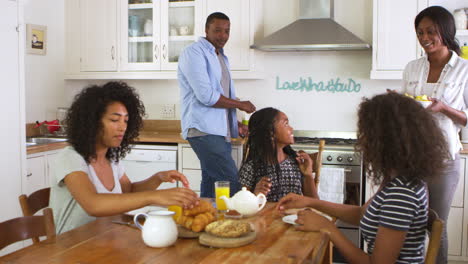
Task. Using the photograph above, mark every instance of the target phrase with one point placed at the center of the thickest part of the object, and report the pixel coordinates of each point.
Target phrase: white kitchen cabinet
(39, 171)
(237, 48)
(394, 39)
(150, 36)
(189, 164)
(98, 35)
(154, 33)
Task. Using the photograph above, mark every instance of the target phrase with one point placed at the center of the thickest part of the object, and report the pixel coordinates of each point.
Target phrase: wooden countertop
(145, 137)
(45, 147)
(170, 137)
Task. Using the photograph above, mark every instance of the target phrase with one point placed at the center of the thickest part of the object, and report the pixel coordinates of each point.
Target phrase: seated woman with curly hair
(89, 180)
(272, 167)
(402, 146)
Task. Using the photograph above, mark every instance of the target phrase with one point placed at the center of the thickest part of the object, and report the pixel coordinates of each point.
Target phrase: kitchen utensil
(159, 229)
(130, 224)
(245, 202)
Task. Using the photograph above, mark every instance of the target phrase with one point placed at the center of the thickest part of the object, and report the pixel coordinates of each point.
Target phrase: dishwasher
(145, 160)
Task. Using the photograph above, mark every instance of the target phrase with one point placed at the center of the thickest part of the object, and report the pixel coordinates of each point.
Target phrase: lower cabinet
(38, 171)
(457, 221)
(189, 164)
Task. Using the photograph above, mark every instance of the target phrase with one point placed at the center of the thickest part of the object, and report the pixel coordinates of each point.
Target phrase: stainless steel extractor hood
(314, 30)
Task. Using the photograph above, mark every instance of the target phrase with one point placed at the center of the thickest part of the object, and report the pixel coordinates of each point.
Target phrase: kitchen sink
(33, 141)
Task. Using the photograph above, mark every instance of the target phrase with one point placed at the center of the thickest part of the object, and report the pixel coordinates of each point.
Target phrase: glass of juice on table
(221, 188)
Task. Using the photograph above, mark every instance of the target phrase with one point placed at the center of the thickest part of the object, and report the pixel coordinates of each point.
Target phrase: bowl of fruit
(422, 99)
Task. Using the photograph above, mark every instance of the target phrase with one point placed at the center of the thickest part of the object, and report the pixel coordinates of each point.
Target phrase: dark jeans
(216, 163)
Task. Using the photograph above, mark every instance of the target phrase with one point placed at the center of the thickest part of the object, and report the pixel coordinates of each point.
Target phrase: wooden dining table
(102, 241)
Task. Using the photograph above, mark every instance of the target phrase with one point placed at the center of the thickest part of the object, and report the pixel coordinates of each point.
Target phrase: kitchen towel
(332, 185)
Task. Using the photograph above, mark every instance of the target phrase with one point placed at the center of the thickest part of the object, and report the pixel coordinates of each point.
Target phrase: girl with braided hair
(272, 167)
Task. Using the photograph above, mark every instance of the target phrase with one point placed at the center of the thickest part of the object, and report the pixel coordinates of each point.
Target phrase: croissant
(185, 221)
(201, 221)
(202, 207)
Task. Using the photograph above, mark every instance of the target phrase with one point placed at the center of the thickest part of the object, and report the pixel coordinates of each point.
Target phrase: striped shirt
(401, 205)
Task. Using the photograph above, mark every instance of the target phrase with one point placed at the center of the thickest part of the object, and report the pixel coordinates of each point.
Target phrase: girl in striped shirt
(401, 146)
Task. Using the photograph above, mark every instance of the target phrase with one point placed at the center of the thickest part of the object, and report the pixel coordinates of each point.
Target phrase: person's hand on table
(173, 176)
(309, 220)
(293, 200)
(263, 186)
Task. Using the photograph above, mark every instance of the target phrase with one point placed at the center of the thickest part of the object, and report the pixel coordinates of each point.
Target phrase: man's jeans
(216, 163)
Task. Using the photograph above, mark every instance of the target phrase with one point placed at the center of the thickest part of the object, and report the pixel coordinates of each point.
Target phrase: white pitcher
(159, 229)
(460, 19)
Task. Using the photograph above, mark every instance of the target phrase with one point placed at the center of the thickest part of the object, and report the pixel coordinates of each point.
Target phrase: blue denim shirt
(199, 75)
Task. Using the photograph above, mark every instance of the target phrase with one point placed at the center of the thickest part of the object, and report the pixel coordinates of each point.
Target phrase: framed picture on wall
(36, 39)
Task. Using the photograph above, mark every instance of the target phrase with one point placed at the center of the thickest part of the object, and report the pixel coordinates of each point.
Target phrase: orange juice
(177, 209)
(220, 191)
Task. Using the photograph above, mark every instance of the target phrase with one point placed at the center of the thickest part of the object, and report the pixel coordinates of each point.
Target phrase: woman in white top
(89, 180)
(443, 76)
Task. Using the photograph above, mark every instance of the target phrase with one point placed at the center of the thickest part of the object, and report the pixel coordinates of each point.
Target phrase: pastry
(228, 228)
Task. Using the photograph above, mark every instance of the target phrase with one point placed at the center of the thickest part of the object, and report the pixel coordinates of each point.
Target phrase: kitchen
(50, 83)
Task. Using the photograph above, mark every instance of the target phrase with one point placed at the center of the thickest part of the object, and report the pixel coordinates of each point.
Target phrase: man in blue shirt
(208, 105)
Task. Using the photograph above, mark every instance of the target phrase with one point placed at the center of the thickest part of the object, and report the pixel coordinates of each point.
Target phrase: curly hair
(261, 144)
(398, 137)
(445, 24)
(83, 121)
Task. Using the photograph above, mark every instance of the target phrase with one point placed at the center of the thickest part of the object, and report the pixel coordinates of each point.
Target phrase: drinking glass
(221, 188)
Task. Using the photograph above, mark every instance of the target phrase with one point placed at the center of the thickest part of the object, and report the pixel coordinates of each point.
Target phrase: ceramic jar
(159, 229)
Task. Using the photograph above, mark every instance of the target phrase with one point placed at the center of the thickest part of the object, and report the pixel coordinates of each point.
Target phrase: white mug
(159, 229)
(184, 30)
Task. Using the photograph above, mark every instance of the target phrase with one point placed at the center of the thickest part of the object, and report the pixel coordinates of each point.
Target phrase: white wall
(44, 82)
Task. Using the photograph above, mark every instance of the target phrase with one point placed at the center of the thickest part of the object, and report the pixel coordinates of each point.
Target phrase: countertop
(145, 137)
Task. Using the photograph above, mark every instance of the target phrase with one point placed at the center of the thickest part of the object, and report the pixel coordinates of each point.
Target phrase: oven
(339, 153)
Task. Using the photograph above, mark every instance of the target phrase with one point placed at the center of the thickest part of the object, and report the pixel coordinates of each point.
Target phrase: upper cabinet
(394, 38)
(142, 39)
(153, 33)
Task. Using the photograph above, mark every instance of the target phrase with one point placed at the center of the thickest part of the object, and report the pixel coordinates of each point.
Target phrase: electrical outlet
(168, 111)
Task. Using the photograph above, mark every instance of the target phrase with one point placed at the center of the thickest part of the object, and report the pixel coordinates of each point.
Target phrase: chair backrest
(25, 227)
(436, 226)
(320, 251)
(317, 159)
(33, 203)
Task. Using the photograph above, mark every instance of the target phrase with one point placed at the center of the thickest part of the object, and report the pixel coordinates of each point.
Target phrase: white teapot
(159, 229)
(245, 202)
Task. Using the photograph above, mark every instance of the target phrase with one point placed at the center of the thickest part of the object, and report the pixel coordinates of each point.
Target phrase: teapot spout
(227, 201)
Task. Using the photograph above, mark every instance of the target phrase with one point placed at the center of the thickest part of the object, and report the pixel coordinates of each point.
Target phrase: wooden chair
(21, 228)
(435, 225)
(317, 159)
(33, 203)
(322, 252)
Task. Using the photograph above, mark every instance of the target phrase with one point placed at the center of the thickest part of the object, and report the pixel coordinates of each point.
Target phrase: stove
(339, 152)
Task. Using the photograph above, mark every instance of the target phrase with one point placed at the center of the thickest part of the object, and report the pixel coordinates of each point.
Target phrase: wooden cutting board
(224, 242)
(185, 233)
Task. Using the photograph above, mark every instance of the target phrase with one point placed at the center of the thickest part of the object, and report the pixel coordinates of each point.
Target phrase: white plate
(295, 210)
(146, 209)
(290, 219)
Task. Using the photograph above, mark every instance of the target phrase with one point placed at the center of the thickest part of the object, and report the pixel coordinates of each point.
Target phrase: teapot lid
(244, 194)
